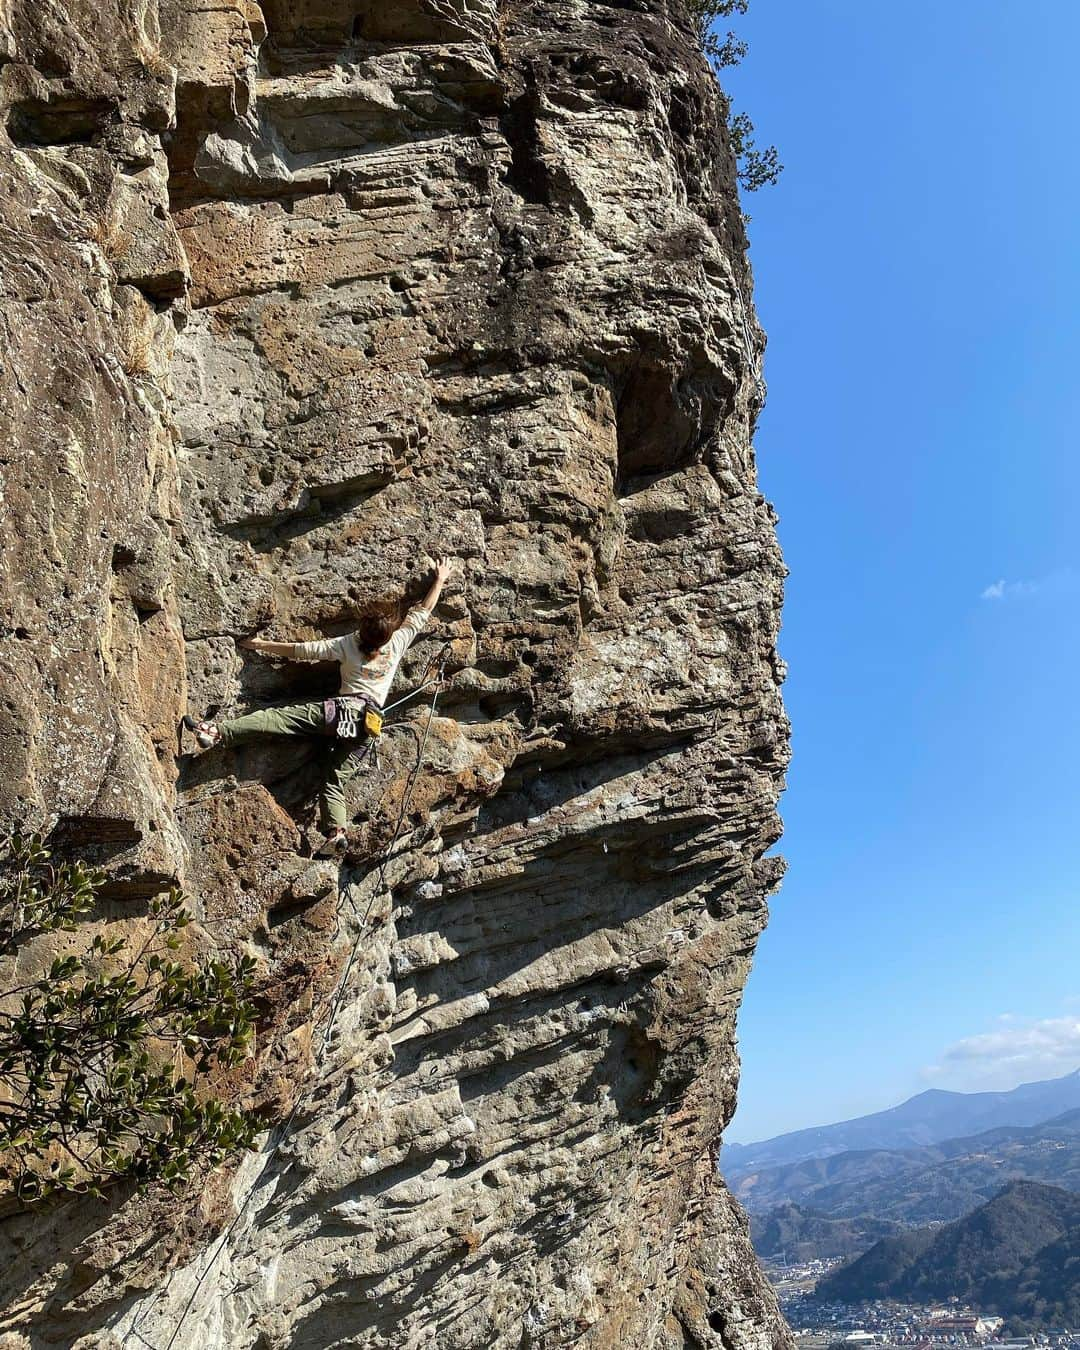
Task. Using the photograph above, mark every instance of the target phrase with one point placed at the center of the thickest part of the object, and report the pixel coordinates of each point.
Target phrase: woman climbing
(369, 660)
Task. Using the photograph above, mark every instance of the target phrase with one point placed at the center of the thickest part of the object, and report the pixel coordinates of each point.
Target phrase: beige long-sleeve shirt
(365, 675)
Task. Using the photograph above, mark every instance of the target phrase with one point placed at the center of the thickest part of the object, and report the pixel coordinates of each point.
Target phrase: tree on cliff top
(95, 1046)
(726, 51)
(756, 168)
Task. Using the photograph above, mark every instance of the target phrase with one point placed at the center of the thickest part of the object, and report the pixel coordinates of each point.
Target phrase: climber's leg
(346, 760)
(295, 719)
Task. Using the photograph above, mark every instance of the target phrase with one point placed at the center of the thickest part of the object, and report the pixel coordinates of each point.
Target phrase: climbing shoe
(333, 846)
(205, 733)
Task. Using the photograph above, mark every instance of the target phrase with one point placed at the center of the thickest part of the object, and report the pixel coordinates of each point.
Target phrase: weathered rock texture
(292, 296)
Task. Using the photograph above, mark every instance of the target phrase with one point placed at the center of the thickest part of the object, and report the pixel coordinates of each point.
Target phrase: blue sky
(918, 272)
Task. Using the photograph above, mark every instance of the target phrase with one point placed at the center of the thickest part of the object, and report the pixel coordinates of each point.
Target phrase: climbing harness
(344, 717)
(345, 714)
(437, 664)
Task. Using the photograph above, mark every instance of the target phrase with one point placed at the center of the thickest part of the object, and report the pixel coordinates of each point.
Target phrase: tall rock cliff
(291, 296)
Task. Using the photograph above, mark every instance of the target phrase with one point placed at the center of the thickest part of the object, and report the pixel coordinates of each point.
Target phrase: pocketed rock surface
(291, 296)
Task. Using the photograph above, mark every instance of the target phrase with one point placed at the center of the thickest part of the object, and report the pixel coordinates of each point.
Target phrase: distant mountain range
(929, 1118)
(1018, 1256)
(936, 1183)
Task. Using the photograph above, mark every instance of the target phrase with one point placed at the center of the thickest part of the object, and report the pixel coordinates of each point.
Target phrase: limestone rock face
(292, 295)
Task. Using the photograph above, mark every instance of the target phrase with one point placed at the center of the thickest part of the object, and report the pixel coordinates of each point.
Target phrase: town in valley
(944, 1326)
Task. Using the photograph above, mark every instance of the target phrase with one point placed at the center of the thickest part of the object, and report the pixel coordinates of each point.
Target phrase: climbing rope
(437, 663)
(387, 853)
(760, 386)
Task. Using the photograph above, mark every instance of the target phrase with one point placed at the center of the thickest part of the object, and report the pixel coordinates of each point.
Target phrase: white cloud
(1051, 1038)
(1015, 590)
(1062, 581)
(1019, 1051)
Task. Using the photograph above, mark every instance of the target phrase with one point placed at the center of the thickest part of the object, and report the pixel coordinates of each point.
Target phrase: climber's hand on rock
(443, 569)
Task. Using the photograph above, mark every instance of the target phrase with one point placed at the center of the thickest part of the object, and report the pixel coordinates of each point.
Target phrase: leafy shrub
(728, 51)
(93, 1047)
(756, 168)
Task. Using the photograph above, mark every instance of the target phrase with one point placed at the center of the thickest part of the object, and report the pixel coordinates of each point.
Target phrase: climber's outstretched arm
(287, 649)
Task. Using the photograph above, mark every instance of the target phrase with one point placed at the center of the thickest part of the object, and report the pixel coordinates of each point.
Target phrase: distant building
(968, 1325)
(856, 1340)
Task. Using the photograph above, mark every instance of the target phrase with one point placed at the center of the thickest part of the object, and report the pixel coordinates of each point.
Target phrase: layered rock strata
(291, 296)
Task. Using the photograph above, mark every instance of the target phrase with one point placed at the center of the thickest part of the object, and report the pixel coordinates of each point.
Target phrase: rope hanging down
(751, 360)
(438, 663)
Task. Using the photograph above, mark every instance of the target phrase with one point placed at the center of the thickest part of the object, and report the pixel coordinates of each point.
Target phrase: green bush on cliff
(756, 168)
(726, 51)
(101, 1051)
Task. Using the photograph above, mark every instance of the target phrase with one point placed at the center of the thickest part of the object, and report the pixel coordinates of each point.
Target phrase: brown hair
(377, 627)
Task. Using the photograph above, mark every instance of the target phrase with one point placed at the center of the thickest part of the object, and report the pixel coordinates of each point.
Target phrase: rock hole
(490, 1179)
(655, 431)
(71, 121)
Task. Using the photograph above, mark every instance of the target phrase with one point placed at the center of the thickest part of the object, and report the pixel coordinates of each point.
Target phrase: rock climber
(369, 658)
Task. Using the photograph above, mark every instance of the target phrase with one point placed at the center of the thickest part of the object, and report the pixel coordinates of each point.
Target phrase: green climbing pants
(306, 719)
